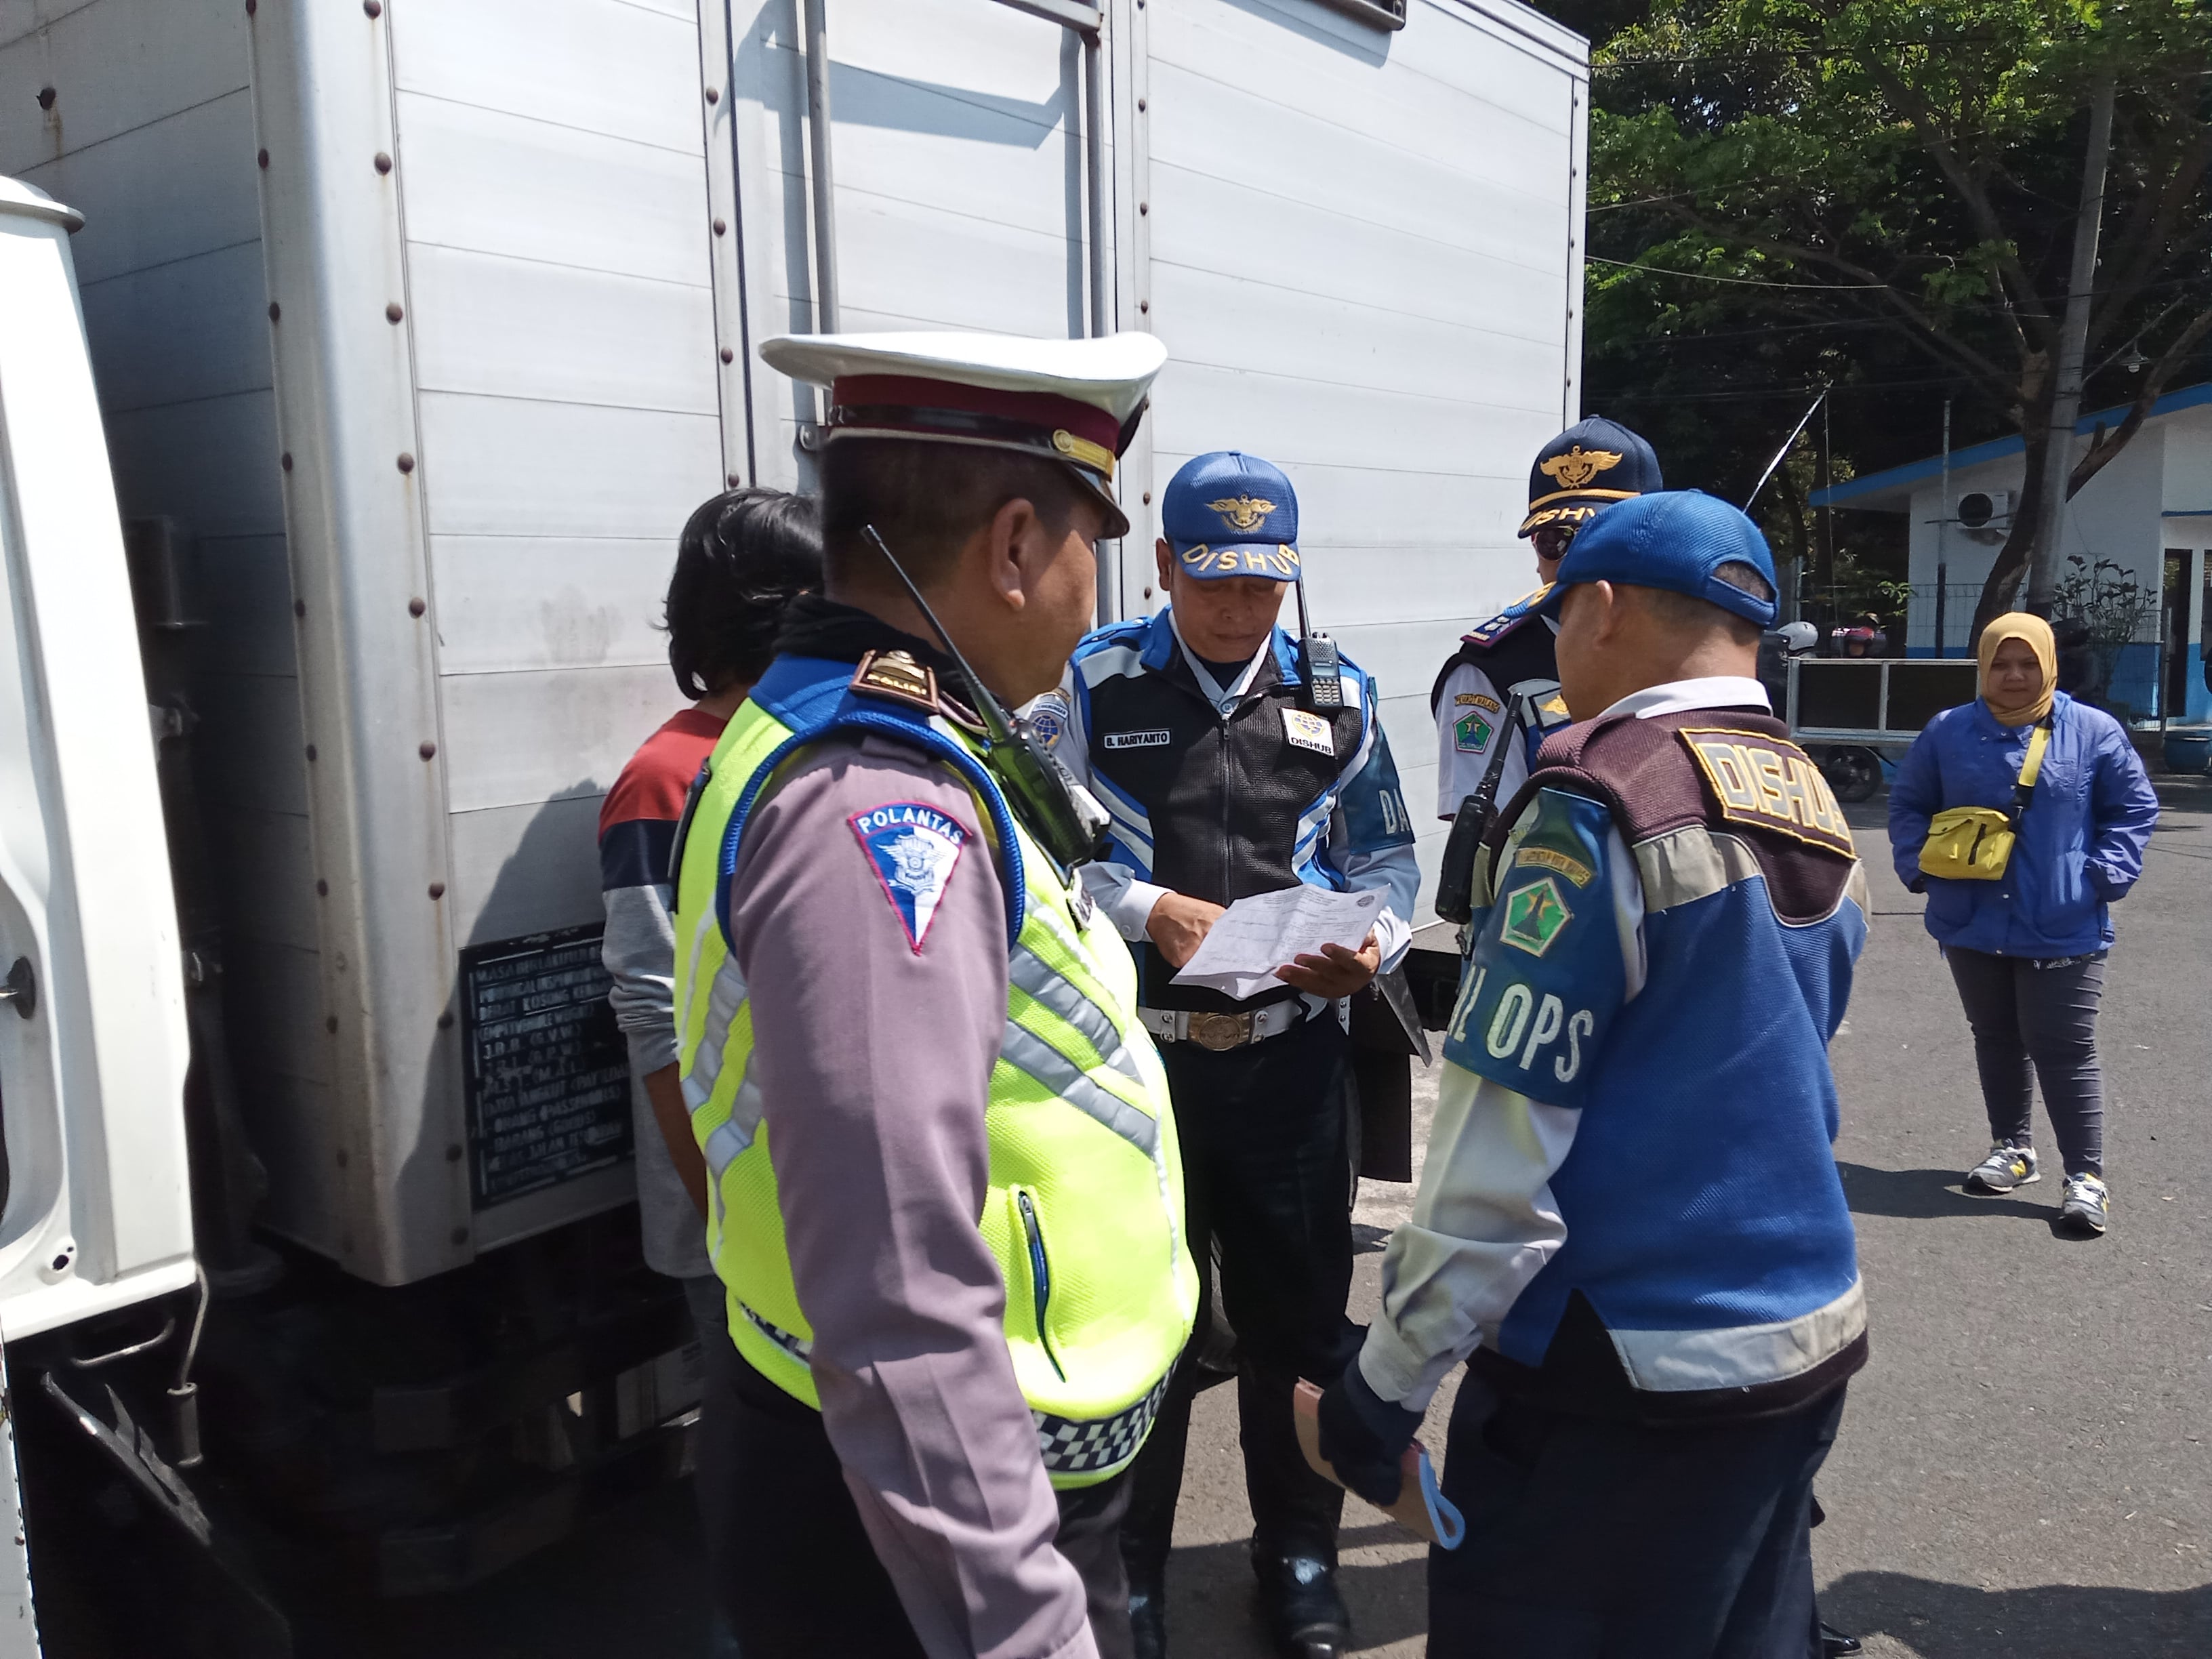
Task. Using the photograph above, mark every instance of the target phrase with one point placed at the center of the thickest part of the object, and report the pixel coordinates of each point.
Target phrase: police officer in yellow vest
(945, 1189)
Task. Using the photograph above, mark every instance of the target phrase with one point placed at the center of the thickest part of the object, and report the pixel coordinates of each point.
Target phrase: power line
(1734, 281)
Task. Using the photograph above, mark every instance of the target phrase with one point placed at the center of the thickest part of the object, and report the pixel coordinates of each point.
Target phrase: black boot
(1305, 1616)
(1834, 1645)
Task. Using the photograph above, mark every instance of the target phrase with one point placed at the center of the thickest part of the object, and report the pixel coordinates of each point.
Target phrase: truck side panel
(1362, 257)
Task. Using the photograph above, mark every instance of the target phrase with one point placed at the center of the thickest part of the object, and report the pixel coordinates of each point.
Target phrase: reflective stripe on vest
(1084, 1225)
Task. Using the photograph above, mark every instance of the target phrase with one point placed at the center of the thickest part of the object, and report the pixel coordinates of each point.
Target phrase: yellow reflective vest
(1085, 1204)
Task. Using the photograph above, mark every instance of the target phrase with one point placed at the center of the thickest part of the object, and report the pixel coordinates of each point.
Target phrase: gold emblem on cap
(1084, 451)
(1578, 465)
(1243, 512)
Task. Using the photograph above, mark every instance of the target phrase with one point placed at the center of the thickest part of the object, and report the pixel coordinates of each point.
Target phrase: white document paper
(1257, 935)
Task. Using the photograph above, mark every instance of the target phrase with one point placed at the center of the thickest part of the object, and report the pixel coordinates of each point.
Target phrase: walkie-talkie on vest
(1317, 661)
(1463, 843)
(1037, 785)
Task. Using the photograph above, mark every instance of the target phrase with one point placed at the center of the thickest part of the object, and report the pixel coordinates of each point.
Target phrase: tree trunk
(2001, 588)
(2073, 337)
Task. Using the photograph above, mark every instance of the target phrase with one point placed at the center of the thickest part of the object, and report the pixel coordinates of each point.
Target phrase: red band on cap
(1045, 410)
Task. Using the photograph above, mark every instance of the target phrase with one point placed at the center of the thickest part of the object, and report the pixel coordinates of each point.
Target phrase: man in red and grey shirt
(742, 558)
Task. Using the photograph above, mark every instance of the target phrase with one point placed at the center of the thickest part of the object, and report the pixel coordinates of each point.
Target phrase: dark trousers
(1593, 1539)
(2020, 1013)
(794, 1573)
(1267, 1177)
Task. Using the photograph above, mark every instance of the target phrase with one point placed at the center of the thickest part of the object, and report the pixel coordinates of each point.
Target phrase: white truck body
(429, 322)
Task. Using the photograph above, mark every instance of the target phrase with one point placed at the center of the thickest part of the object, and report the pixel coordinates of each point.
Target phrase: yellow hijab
(2036, 632)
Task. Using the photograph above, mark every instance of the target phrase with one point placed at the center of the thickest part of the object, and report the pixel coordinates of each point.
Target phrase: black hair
(1685, 610)
(925, 499)
(742, 557)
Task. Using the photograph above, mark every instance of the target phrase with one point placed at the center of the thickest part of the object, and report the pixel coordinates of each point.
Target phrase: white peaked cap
(1113, 373)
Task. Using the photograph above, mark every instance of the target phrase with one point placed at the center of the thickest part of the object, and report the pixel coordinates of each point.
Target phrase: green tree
(1906, 177)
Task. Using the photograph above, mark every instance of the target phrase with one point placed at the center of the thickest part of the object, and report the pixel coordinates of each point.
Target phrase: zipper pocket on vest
(1040, 1275)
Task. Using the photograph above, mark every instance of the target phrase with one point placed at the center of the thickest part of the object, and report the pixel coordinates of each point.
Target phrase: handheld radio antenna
(1317, 659)
(1034, 780)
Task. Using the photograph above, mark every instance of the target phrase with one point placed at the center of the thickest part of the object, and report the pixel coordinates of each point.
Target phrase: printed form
(1257, 935)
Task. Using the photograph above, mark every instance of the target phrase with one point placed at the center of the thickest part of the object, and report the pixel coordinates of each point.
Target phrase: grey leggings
(2021, 1012)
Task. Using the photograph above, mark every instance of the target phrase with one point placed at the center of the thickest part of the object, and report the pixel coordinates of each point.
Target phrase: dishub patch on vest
(912, 848)
(1304, 731)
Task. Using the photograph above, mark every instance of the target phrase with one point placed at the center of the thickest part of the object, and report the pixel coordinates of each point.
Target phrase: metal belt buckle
(1221, 1032)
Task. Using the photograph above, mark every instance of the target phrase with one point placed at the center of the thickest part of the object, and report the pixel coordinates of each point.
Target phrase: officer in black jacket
(1233, 761)
(1500, 693)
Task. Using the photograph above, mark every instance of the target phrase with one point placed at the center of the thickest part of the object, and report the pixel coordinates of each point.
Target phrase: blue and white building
(2148, 512)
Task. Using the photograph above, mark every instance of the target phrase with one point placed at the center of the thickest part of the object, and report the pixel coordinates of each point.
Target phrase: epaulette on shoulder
(1515, 616)
(895, 677)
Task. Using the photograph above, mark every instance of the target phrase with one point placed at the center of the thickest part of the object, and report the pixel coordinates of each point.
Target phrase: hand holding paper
(1256, 936)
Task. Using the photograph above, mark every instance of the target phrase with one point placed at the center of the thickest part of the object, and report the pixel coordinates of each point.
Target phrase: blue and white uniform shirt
(1224, 791)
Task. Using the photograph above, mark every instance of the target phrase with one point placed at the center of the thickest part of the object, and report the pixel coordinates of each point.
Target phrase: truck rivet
(322, 889)
(299, 607)
(392, 313)
(331, 1026)
(383, 162)
(446, 1022)
(1148, 498)
(460, 1235)
(406, 462)
(311, 751)
(285, 460)
(1140, 107)
(1144, 208)
(1144, 305)
(453, 1153)
(713, 95)
(276, 311)
(373, 8)
(427, 750)
(728, 356)
(261, 160)
(720, 226)
(735, 480)
(416, 607)
(45, 97)
(437, 890)
(252, 6)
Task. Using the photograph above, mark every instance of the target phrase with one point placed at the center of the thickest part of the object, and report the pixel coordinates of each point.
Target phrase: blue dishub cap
(1232, 514)
(1675, 540)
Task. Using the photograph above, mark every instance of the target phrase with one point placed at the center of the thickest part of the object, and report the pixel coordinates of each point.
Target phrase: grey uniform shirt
(873, 1051)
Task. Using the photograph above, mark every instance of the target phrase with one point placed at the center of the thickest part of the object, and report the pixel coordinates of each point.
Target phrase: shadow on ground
(1212, 1609)
(1937, 1621)
(1924, 1194)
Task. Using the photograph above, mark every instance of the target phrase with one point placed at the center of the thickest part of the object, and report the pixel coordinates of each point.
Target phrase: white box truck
(417, 327)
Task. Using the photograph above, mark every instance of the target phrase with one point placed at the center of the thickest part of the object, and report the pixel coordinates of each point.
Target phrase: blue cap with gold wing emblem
(1231, 514)
(1586, 468)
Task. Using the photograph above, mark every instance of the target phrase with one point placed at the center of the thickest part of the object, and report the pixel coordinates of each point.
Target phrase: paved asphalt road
(2023, 1471)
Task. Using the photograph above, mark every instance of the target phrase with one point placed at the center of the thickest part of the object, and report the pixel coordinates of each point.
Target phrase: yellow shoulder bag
(1974, 843)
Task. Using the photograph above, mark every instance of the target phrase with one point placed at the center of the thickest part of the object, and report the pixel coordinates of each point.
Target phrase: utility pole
(2073, 349)
(1942, 527)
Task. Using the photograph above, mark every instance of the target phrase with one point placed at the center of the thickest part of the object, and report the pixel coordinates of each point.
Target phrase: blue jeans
(1593, 1538)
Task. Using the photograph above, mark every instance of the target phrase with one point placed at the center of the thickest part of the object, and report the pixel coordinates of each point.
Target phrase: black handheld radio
(1463, 845)
(1317, 661)
(1036, 784)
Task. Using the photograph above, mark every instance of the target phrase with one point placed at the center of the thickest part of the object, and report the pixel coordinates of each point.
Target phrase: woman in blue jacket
(2027, 950)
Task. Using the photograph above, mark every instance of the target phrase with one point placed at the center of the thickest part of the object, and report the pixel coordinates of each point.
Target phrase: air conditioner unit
(1982, 509)
(1985, 515)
